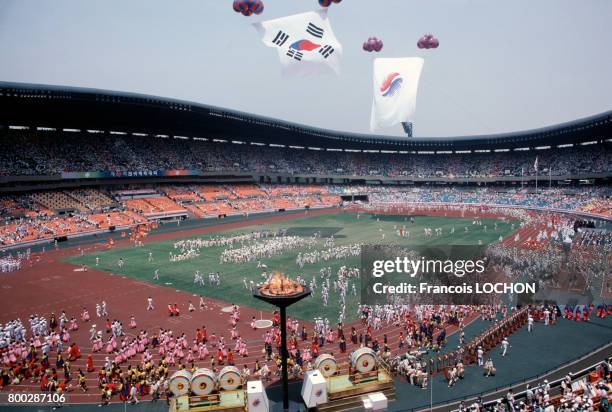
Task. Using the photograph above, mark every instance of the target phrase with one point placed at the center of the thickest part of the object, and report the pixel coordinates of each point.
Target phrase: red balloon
(373, 44)
(428, 41)
(259, 7)
(248, 7)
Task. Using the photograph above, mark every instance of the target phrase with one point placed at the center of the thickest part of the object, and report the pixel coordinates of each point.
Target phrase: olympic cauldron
(282, 292)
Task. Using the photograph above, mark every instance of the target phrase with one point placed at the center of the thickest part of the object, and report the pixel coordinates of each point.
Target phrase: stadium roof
(62, 107)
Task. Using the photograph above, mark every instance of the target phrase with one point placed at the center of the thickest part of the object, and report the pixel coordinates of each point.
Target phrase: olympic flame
(281, 285)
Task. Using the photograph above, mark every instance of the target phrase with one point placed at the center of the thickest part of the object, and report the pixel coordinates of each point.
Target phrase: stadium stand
(120, 154)
(58, 201)
(25, 221)
(216, 162)
(214, 192)
(92, 199)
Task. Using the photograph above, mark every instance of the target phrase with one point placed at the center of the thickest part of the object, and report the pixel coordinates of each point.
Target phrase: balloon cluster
(248, 7)
(327, 3)
(428, 41)
(373, 44)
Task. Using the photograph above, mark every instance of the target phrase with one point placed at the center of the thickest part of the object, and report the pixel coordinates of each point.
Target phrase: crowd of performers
(139, 364)
(475, 350)
(10, 263)
(30, 358)
(417, 365)
(266, 248)
(46, 356)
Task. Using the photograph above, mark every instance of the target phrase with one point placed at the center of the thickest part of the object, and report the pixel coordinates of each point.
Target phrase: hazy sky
(501, 65)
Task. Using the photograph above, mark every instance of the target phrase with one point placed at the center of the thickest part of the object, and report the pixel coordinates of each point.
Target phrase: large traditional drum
(363, 360)
(229, 378)
(326, 364)
(179, 383)
(203, 382)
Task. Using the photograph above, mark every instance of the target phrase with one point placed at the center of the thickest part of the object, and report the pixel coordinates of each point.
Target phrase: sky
(501, 66)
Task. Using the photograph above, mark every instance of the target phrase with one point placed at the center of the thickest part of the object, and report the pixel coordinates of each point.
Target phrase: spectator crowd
(42, 154)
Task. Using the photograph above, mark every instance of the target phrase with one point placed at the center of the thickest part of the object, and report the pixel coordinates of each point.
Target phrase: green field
(345, 227)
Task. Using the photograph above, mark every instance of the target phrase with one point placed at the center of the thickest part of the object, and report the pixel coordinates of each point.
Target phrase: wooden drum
(326, 364)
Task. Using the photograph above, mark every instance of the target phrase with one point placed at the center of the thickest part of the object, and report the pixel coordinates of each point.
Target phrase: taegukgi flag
(305, 42)
(396, 81)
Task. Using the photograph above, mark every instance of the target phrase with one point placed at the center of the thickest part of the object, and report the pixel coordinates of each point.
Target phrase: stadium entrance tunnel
(355, 198)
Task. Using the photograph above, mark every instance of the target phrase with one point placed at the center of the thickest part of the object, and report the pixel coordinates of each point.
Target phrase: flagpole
(550, 177)
(535, 166)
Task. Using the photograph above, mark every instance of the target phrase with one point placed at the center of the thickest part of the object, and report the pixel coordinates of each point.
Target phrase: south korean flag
(305, 42)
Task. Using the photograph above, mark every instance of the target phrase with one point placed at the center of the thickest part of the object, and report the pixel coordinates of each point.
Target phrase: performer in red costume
(74, 352)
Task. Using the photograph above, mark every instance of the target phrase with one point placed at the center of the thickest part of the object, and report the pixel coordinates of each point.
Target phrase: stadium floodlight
(561, 146)
(482, 151)
(589, 143)
(521, 149)
(542, 147)
(463, 151)
(501, 150)
(276, 145)
(257, 144)
(296, 147)
(46, 129)
(116, 132)
(72, 130)
(313, 148)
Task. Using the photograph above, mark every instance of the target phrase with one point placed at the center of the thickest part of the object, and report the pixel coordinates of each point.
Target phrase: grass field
(346, 228)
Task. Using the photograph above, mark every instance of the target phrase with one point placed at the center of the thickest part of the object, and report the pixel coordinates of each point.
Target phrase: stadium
(69, 209)
(163, 254)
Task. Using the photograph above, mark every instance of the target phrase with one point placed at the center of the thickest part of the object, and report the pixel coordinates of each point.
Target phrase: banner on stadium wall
(130, 173)
(396, 81)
